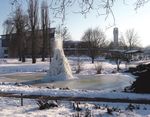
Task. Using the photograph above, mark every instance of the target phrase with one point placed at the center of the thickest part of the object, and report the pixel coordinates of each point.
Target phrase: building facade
(75, 48)
(3, 47)
(9, 45)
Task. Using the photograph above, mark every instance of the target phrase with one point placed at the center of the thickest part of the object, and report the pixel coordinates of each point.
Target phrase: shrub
(88, 113)
(45, 103)
(78, 68)
(130, 107)
(98, 67)
(110, 111)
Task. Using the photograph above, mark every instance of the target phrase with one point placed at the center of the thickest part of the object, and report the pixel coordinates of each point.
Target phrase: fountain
(59, 67)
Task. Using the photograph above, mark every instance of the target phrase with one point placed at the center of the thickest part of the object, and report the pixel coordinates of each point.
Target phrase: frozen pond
(91, 82)
(21, 77)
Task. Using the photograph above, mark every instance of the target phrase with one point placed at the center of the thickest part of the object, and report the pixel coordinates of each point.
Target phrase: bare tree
(8, 26)
(20, 23)
(122, 43)
(63, 31)
(132, 39)
(45, 27)
(102, 7)
(16, 27)
(33, 23)
(95, 40)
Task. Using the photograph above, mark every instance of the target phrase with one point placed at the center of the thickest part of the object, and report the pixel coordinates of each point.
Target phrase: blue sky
(4, 10)
(125, 15)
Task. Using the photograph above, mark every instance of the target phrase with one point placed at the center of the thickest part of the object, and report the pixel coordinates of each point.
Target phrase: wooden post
(21, 99)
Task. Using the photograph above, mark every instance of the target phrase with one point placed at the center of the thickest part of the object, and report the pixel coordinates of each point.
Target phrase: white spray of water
(59, 67)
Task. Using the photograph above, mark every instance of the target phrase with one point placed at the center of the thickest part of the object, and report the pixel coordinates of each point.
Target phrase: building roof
(133, 51)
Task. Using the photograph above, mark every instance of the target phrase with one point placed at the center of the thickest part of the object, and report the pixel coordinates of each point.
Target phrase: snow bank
(71, 93)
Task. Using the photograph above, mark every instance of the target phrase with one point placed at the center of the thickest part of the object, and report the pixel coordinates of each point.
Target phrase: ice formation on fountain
(59, 67)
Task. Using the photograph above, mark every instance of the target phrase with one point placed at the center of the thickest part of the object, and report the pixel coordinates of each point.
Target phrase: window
(5, 51)
(4, 43)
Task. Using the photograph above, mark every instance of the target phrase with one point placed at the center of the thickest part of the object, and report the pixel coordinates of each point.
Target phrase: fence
(69, 98)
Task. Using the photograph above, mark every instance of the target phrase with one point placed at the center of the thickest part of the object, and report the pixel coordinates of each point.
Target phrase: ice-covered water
(92, 82)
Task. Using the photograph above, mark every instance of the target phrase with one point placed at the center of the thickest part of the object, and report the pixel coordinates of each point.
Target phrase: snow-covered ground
(87, 68)
(28, 90)
(13, 66)
(10, 107)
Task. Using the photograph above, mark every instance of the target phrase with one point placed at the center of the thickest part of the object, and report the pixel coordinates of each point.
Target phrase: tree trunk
(23, 54)
(19, 58)
(23, 59)
(18, 35)
(43, 58)
(118, 64)
(44, 46)
(92, 59)
(33, 47)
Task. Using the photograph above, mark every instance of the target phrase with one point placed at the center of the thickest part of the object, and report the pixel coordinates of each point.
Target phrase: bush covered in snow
(3, 61)
(78, 67)
(98, 67)
(45, 103)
